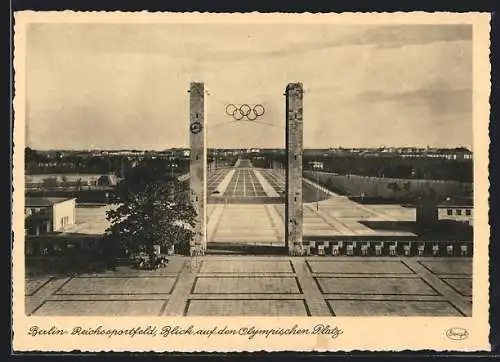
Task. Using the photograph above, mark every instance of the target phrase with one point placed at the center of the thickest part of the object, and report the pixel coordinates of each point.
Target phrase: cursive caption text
(249, 332)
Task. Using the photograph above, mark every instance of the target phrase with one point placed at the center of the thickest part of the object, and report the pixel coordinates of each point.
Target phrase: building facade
(457, 213)
(44, 215)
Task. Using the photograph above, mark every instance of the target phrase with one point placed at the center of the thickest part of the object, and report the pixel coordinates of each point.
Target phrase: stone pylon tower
(294, 149)
(197, 170)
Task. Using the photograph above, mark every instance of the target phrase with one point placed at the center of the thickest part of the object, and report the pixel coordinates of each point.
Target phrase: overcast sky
(114, 86)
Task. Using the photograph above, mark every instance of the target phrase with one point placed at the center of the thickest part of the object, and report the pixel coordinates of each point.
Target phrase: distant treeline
(344, 164)
(39, 163)
(389, 167)
(230, 160)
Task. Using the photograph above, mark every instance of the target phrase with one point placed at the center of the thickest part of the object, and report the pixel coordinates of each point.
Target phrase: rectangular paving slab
(241, 307)
(101, 308)
(258, 285)
(118, 285)
(392, 308)
(448, 266)
(358, 267)
(249, 266)
(461, 285)
(35, 284)
(367, 285)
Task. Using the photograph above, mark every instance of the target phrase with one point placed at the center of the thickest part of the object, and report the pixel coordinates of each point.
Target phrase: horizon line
(242, 148)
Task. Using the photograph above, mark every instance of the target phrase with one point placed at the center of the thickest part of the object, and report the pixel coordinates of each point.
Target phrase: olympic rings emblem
(245, 111)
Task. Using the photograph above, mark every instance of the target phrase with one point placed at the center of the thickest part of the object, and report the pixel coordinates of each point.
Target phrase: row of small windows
(459, 212)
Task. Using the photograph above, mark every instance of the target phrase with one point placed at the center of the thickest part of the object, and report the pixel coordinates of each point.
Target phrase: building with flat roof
(84, 234)
(452, 209)
(460, 210)
(45, 215)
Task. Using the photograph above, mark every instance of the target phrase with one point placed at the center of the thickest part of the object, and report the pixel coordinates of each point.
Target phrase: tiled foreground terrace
(264, 286)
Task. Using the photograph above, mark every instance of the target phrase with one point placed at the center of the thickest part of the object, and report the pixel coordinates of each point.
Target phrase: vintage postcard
(247, 182)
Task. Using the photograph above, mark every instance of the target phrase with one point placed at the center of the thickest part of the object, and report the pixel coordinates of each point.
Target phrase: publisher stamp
(457, 333)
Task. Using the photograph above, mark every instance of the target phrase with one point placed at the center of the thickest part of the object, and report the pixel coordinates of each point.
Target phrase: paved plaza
(244, 183)
(258, 223)
(263, 286)
(246, 208)
(262, 224)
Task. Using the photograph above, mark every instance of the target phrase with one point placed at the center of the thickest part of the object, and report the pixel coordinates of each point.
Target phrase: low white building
(48, 214)
(458, 213)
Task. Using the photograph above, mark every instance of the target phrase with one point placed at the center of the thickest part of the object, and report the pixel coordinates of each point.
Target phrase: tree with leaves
(153, 208)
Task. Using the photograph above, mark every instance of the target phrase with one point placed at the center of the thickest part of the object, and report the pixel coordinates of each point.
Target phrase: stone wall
(353, 185)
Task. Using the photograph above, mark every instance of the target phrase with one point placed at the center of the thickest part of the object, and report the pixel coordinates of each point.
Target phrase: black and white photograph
(251, 168)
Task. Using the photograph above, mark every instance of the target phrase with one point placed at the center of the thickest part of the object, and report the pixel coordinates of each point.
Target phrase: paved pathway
(262, 224)
(265, 286)
(252, 223)
(268, 189)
